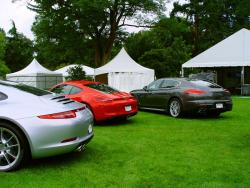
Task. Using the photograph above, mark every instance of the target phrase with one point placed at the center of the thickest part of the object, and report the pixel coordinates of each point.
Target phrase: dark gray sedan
(181, 95)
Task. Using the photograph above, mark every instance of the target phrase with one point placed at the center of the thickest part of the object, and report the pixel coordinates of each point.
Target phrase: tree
(96, 23)
(167, 61)
(19, 50)
(163, 48)
(212, 21)
(76, 73)
(2, 44)
(3, 68)
(160, 36)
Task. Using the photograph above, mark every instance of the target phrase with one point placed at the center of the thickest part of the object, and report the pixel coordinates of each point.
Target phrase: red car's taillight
(194, 91)
(62, 115)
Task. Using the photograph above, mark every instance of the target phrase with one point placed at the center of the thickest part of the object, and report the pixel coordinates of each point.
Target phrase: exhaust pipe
(81, 148)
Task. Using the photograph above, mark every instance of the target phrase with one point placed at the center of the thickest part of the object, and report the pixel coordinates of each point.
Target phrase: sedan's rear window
(26, 88)
(205, 83)
(102, 87)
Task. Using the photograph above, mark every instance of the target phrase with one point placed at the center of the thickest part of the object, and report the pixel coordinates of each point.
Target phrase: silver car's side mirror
(145, 88)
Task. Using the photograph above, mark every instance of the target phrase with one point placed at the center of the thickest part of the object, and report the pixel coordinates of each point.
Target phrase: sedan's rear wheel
(12, 147)
(175, 108)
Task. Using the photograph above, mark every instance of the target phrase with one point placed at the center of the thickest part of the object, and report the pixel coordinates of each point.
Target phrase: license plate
(128, 108)
(219, 105)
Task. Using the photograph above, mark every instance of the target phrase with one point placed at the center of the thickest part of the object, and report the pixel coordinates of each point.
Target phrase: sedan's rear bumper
(207, 106)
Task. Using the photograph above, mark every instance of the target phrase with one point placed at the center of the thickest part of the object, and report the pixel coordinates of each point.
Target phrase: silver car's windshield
(26, 88)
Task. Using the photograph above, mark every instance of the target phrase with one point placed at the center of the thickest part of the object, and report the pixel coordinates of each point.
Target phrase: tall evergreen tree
(19, 50)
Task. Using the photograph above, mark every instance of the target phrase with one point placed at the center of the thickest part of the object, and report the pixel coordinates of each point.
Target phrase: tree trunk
(98, 52)
(103, 51)
(108, 50)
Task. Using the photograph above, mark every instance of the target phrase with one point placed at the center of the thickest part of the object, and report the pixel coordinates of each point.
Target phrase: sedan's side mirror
(145, 88)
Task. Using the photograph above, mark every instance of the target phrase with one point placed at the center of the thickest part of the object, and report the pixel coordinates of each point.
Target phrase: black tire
(175, 108)
(13, 147)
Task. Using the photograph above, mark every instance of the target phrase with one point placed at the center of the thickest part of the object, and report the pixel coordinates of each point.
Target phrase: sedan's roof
(174, 78)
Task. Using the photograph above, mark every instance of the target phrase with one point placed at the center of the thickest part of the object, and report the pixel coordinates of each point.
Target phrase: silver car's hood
(23, 105)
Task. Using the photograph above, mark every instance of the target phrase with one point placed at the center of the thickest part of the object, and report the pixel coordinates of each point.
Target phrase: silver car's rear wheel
(175, 108)
(11, 149)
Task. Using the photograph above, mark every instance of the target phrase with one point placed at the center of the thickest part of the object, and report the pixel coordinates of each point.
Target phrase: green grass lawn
(152, 150)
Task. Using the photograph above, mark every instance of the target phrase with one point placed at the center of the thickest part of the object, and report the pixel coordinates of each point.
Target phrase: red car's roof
(81, 82)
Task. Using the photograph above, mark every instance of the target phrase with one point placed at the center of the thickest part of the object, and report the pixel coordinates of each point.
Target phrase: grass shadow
(60, 161)
(155, 112)
(189, 116)
(116, 122)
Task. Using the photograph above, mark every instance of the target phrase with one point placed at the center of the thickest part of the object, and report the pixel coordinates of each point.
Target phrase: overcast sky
(17, 12)
(22, 16)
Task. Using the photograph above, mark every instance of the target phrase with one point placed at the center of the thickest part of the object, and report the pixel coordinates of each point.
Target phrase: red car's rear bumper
(114, 109)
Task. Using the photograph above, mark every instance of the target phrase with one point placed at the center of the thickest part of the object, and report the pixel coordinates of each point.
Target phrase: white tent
(125, 74)
(234, 51)
(88, 70)
(36, 75)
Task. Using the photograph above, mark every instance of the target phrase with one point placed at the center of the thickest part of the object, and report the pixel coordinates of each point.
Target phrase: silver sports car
(38, 123)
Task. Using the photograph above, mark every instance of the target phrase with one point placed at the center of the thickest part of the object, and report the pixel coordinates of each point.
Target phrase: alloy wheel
(175, 108)
(10, 149)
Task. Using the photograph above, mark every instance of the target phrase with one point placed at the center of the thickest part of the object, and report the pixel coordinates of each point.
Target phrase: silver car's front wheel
(175, 108)
(11, 147)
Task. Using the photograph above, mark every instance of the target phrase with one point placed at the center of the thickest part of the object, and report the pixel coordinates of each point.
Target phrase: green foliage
(212, 21)
(76, 73)
(3, 68)
(167, 62)
(163, 48)
(2, 44)
(85, 31)
(19, 50)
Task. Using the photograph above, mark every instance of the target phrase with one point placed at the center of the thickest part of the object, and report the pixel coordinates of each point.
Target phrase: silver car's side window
(3, 96)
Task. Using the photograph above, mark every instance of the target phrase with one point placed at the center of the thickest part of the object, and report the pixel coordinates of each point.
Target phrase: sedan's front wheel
(12, 147)
(175, 108)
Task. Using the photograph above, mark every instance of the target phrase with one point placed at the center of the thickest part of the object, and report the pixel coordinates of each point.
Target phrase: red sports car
(104, 101)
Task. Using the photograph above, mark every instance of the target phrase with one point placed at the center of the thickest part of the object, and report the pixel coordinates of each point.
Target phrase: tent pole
(242, 79)
(182, 72)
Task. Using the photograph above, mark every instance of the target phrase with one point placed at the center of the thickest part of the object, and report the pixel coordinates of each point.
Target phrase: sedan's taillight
(194, 92)
(62, 115)
(226, 90)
